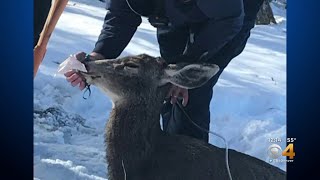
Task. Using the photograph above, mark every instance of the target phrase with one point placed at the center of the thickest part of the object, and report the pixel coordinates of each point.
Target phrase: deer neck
(132, 120)
(131, 133)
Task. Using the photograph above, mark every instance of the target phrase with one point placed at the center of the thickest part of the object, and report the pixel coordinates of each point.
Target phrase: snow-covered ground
(248, 107)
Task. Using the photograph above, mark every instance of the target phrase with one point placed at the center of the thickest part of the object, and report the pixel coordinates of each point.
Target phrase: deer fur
(134, 140)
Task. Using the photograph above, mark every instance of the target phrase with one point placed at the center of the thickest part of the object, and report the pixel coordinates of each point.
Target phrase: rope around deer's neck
(208, 131)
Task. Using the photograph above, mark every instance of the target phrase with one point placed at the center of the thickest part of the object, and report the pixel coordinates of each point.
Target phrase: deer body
(137, 147)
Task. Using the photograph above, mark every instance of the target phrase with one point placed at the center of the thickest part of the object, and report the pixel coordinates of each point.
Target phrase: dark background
(303, 108)
(16, 60)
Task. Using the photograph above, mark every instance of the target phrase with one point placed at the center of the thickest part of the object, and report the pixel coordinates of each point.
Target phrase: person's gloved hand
(74, 78)
(175, 92)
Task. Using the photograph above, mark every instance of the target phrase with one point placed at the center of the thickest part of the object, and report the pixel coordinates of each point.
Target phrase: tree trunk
(265, 14)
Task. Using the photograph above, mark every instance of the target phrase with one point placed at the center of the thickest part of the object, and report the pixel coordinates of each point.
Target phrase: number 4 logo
(289, 151)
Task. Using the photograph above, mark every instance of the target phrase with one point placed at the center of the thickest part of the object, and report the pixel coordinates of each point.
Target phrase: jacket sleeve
(119, 26)
(234, 47)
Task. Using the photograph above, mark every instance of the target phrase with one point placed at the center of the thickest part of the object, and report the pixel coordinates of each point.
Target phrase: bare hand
(176, 92)
(74, 78)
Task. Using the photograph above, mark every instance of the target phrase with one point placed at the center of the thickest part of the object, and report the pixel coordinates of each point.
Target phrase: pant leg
(172, 42)
(198, 109)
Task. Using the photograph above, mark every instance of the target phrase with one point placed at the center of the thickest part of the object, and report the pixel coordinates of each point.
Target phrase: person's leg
(205, 40)
(211, 37)
(198, 109)
(172, 43)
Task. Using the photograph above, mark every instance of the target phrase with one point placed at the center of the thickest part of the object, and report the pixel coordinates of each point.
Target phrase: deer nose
(85, 59)
(87, 65)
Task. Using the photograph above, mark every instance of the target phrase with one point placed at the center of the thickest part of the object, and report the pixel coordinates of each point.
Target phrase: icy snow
(248, 106)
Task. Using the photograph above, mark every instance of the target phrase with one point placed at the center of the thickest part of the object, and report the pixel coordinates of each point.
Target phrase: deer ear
(189, 76)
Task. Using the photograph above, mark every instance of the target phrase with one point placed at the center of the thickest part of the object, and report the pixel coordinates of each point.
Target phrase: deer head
(143, 75)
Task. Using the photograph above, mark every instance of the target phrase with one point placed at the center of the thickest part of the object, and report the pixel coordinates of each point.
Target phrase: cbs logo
(275, 151)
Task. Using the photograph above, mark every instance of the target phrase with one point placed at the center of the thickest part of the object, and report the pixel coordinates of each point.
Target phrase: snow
(248, 106)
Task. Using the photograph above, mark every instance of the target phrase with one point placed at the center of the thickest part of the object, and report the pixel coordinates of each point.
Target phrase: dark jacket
(121, 22)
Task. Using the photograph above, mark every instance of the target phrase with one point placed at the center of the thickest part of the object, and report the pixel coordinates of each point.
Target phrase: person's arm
(119, 26)
(238, 43)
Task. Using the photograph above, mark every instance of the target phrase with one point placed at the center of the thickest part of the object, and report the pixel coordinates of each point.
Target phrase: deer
(136, 146)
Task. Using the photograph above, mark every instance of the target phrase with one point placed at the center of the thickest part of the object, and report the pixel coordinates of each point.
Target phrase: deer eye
(131, 65)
